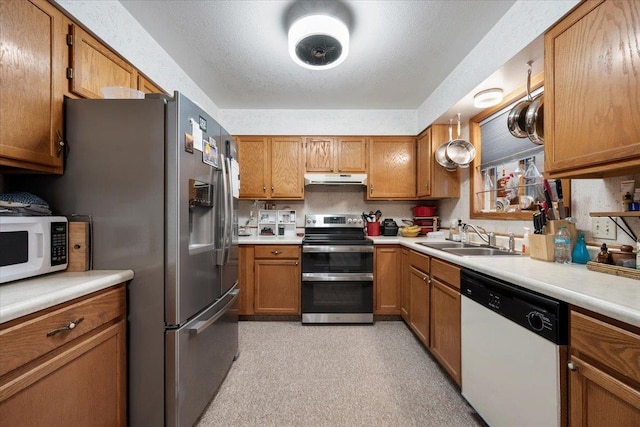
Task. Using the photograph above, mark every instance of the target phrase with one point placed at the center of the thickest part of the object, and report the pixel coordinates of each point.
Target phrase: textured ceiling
(236, 51)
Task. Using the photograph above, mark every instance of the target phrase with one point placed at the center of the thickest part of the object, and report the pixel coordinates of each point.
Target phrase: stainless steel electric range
(337, 270)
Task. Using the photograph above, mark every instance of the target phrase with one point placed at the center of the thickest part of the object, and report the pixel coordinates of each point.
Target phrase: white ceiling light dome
(318, 42)
(487, 98)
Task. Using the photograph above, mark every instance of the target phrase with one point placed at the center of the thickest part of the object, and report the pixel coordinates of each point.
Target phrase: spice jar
(604, 256)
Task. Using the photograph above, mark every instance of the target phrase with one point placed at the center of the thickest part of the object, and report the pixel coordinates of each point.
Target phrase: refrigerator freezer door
(199, 355)
(192, 279)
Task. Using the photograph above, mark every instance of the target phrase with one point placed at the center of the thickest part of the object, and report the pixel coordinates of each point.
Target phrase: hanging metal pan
(459, 151)
(534, 122)
(441, 156)
(516, 120)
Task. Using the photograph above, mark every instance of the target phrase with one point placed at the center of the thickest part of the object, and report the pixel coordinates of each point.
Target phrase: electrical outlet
(603, 228)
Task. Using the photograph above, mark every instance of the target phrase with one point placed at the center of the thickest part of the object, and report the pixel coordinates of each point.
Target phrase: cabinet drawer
(419, 261)
(447, 273)
(277, 251)
(610, 345)
(28, 340)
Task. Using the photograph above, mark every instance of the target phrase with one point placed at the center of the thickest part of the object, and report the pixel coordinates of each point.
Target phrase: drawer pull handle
(68, 327)
(276, 252)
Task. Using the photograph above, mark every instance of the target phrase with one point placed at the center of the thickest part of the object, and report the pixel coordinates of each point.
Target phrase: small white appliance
(32, 245)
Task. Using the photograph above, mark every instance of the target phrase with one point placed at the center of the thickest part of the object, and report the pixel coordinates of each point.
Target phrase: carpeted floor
(294, 375)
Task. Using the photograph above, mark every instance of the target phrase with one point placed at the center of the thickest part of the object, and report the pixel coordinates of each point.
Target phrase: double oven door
(337, 283)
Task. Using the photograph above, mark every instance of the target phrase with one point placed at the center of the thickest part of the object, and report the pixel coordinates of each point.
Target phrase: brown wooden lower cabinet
(604, 372)
(387, 279)
(405, 280)
(270, 278)
(445, 328)
(419, 304)
(82, 381)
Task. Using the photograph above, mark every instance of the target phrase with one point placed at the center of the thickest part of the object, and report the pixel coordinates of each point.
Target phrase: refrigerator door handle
(200, 326)
(222, 254)
(229, 215)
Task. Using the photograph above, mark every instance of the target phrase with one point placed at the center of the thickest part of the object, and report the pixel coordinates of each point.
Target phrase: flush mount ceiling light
(487, 98)
(318, 42)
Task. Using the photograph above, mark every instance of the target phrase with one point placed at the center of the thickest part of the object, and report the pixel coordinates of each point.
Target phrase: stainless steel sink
(445, 245)
(476, 251)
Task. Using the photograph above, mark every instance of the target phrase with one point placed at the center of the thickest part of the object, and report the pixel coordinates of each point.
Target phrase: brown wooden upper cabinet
(434, 181)
(392, 168)
(271, 167)
(592, 91)
(34, 60)
(336, 154)
(147, 86)
(94, 66)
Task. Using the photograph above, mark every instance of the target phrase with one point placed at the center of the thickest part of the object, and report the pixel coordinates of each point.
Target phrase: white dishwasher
(513, 353)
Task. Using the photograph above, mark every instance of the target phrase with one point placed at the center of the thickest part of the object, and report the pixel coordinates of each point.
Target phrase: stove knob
(359, 221)
(350, 221)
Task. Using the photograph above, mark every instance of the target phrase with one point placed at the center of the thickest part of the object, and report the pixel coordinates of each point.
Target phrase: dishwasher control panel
(537, 313)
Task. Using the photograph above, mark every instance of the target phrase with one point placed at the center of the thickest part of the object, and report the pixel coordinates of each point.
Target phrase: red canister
(424, 211)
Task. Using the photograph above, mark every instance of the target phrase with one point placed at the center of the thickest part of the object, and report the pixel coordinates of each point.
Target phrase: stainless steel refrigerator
(160, 179)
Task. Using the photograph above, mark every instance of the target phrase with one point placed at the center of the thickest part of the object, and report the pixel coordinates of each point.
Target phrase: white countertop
(609, 295)
(27, 296)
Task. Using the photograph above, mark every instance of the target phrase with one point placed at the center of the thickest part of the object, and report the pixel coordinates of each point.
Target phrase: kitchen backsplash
(587, 195)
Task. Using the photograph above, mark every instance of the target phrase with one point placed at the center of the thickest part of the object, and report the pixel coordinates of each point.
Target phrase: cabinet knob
(424, 278)
(272, 189)
(296, 262)
(276, 252)
(264, 188)
(68, 327)
(61, 144)
(572, 366)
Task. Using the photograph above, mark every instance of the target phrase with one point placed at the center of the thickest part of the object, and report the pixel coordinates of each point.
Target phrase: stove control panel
(334, 220)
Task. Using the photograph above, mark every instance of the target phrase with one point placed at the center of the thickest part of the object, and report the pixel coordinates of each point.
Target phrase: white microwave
(32, 245)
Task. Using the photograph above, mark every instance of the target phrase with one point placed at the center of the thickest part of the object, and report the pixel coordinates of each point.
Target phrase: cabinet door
(287, 166)
(444, 183)
(392, 171)
(85, 385)
(277, 286)
(419, 304)
(246, 279)
(599, 400)
(387, 280)
(96, 66)
(405, 278)
(34, 60)
(352, 154)
(320, 154)
(445, 328)
(592, 96)
(254, 167)
(147, 86)
(424, 157)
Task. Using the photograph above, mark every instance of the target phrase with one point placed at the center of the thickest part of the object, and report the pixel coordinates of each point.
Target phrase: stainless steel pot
(534, 121)
(441, 152)
(459, 151)
(516, 121)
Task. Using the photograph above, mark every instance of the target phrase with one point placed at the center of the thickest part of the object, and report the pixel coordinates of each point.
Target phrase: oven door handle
(337, 277)
(337, 248)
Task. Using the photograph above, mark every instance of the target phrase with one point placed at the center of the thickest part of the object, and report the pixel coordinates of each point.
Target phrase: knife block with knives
(542, 245)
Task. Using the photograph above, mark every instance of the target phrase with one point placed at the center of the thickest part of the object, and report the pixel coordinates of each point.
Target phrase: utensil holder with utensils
(542, 245)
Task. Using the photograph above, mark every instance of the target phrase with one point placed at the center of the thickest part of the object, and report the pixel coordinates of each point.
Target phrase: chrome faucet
(479, 230)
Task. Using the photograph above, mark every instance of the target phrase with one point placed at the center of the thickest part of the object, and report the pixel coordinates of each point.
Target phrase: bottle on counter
(525, 240)
(562, 246)
(604, 256)
(580, 254)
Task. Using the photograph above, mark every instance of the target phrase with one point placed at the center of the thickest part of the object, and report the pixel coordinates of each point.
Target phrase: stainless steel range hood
(335, 179)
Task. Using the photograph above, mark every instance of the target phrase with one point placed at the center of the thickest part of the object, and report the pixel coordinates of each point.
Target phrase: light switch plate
(603, 228)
